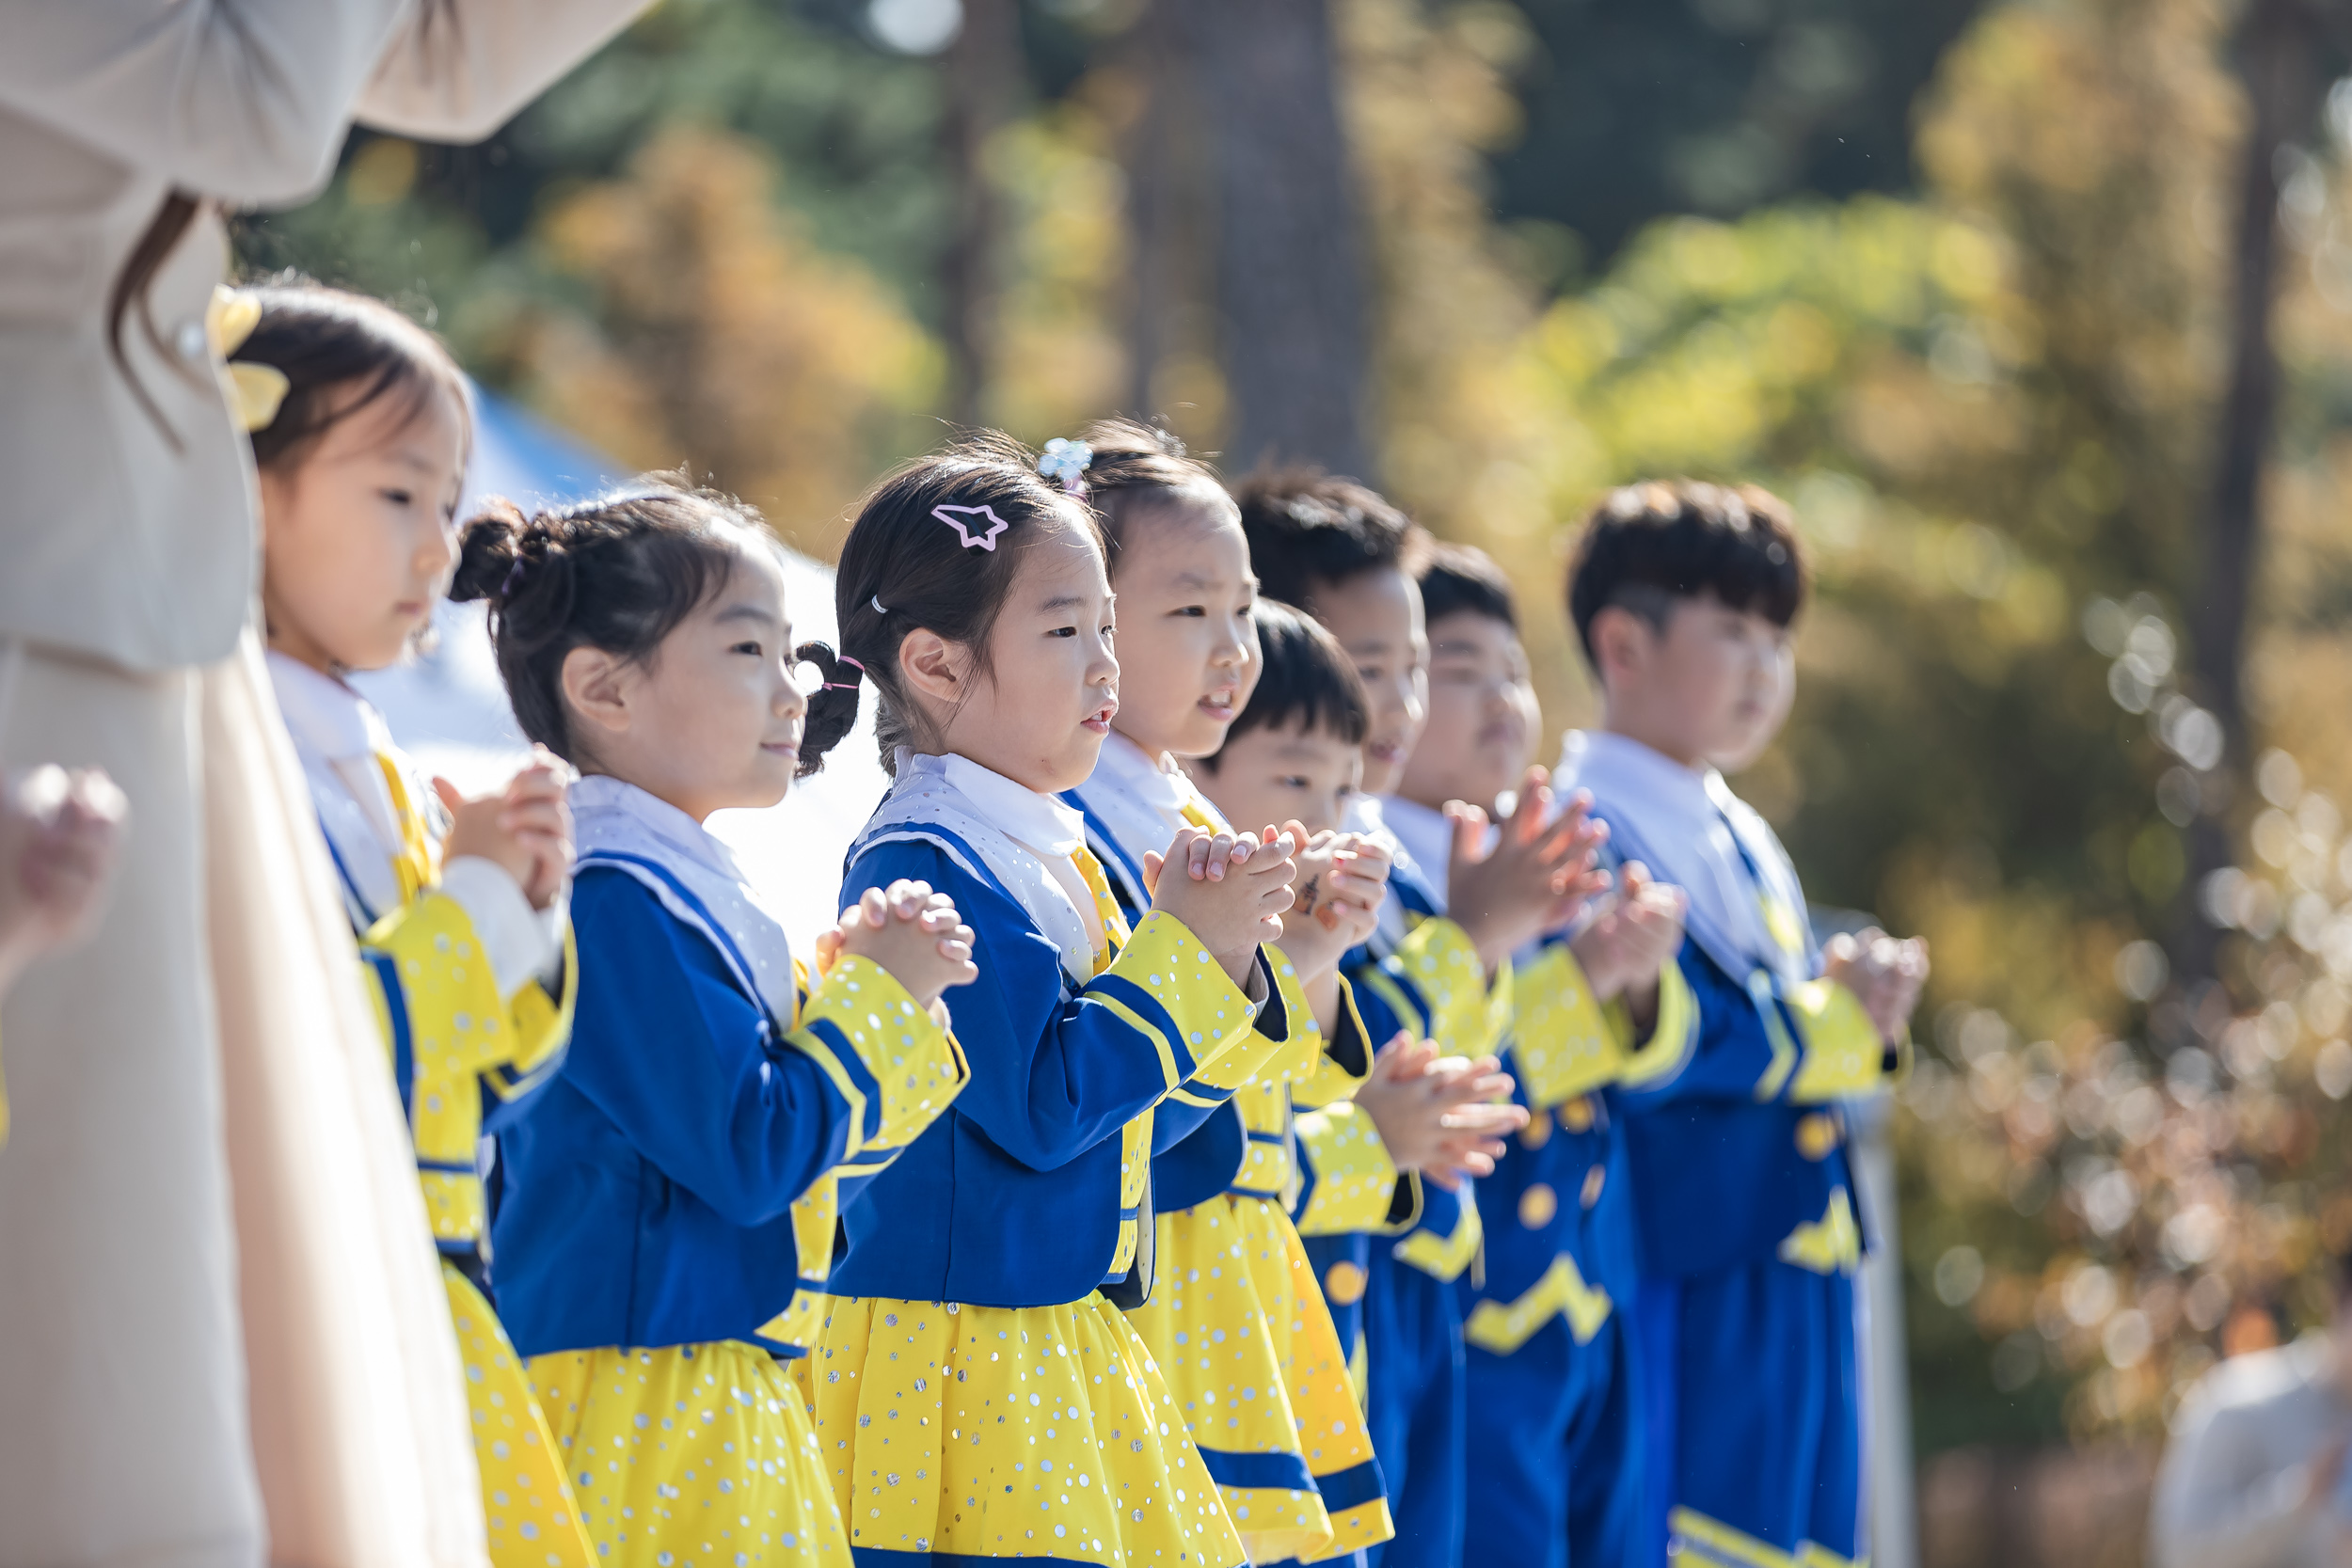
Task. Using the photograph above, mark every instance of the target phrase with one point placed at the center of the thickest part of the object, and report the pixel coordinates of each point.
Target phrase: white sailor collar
(1042, 823)
(323, 716)
(694, 875)
(597, 793)
(1426, 837)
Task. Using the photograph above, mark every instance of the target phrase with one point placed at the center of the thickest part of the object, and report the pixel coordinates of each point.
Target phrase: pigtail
(831, 707)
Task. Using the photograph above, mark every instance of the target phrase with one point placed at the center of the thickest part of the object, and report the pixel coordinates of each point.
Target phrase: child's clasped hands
(1233, 894)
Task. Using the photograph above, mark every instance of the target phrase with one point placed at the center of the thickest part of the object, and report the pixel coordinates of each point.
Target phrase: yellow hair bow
(255, 392)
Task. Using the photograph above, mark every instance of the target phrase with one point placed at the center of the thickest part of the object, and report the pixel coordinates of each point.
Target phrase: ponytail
(831, 707)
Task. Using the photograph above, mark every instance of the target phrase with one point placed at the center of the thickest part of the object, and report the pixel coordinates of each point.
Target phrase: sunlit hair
(1309, 681)
(341, 354)
(1458, 578)
(1139, 469)
(619, 573)
(1648, 545)
(904, 569)
(1306, 527)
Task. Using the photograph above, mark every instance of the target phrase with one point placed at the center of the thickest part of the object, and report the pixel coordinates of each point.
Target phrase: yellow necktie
(1115, 931)
(415, 862)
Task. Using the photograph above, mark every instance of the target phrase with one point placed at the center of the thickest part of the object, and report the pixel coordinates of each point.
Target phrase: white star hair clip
(963, 518)
(1065, 462)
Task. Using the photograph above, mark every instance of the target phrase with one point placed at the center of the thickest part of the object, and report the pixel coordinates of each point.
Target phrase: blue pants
(1555, 1452)
(1415, 1408)
(1750, 1388)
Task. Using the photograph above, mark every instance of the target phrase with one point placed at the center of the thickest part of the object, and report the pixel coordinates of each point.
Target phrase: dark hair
(1306, 526)
(1137, 466)
(906, 567)
(149, 252)
(1308, 679)
(618, 573)
(1647, 544)
(330, 344)
(1460, 578)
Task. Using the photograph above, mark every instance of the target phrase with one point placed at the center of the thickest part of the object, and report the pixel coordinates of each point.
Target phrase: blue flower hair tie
(1065, 462)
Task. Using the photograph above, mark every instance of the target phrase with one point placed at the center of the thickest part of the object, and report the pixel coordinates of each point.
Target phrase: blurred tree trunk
(1159, 51)
(2278, 43)
(1290, 274)
(980, 71)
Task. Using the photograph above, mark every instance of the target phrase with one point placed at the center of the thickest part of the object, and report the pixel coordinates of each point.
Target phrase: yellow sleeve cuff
(1843, 1053)
(1330, 1081)
(1354, 1179)
(1672, 1037)
(1561, 1043)
(448, 996)
(889, 1059)
(1211, 1038)
(1438, 960)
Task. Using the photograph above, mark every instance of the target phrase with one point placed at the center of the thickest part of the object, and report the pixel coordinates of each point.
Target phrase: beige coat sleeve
(457, 70)
(248, 100)
(243, 99)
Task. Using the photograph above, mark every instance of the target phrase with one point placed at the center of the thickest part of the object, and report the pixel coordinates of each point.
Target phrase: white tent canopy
(449, 710)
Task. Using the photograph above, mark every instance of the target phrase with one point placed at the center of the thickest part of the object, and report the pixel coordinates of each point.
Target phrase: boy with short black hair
(1744, 1224)
(1553, 1476)
(1434, 972)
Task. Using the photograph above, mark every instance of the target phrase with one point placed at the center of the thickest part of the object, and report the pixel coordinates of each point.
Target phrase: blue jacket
(1013, 1197)
(1720, 1178)
(646, 1200)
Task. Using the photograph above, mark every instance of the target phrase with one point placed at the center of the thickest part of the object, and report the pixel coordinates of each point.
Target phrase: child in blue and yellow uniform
(1744, 1225)
(646, 1228)
(360, 433)
(1549, 1482)
(1440, 972)
(1236, 1326)
(978, 1390)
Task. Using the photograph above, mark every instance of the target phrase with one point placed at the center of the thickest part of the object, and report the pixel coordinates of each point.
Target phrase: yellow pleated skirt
(1240, 1332)
(1036, 1432)
(692, 1456)
(526, 1501)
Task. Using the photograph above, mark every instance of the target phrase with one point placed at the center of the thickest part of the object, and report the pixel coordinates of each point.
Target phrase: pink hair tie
(850, 685)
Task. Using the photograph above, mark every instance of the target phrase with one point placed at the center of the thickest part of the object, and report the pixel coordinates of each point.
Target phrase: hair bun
(488, 546)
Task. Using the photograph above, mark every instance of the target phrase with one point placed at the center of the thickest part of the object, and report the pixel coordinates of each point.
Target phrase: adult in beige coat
(218, 1303)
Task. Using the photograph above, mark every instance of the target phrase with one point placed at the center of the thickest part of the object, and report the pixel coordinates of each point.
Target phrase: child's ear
(595, 688)
(932, 666)
(1621, 643)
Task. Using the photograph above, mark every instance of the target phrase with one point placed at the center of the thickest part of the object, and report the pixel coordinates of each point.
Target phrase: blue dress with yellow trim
(1745, 1232)
(979, 1391)
(1236, 1324)
(454, 956)
(650, 1222)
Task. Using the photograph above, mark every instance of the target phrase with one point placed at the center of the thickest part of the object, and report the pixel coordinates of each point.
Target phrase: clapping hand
(1634, 939)
(1885, 974)
(1532, 878)
(1231, 893)
(59, 834)
(525, 829)
(911, 931)
(1342, 879)
(1445, 1117)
